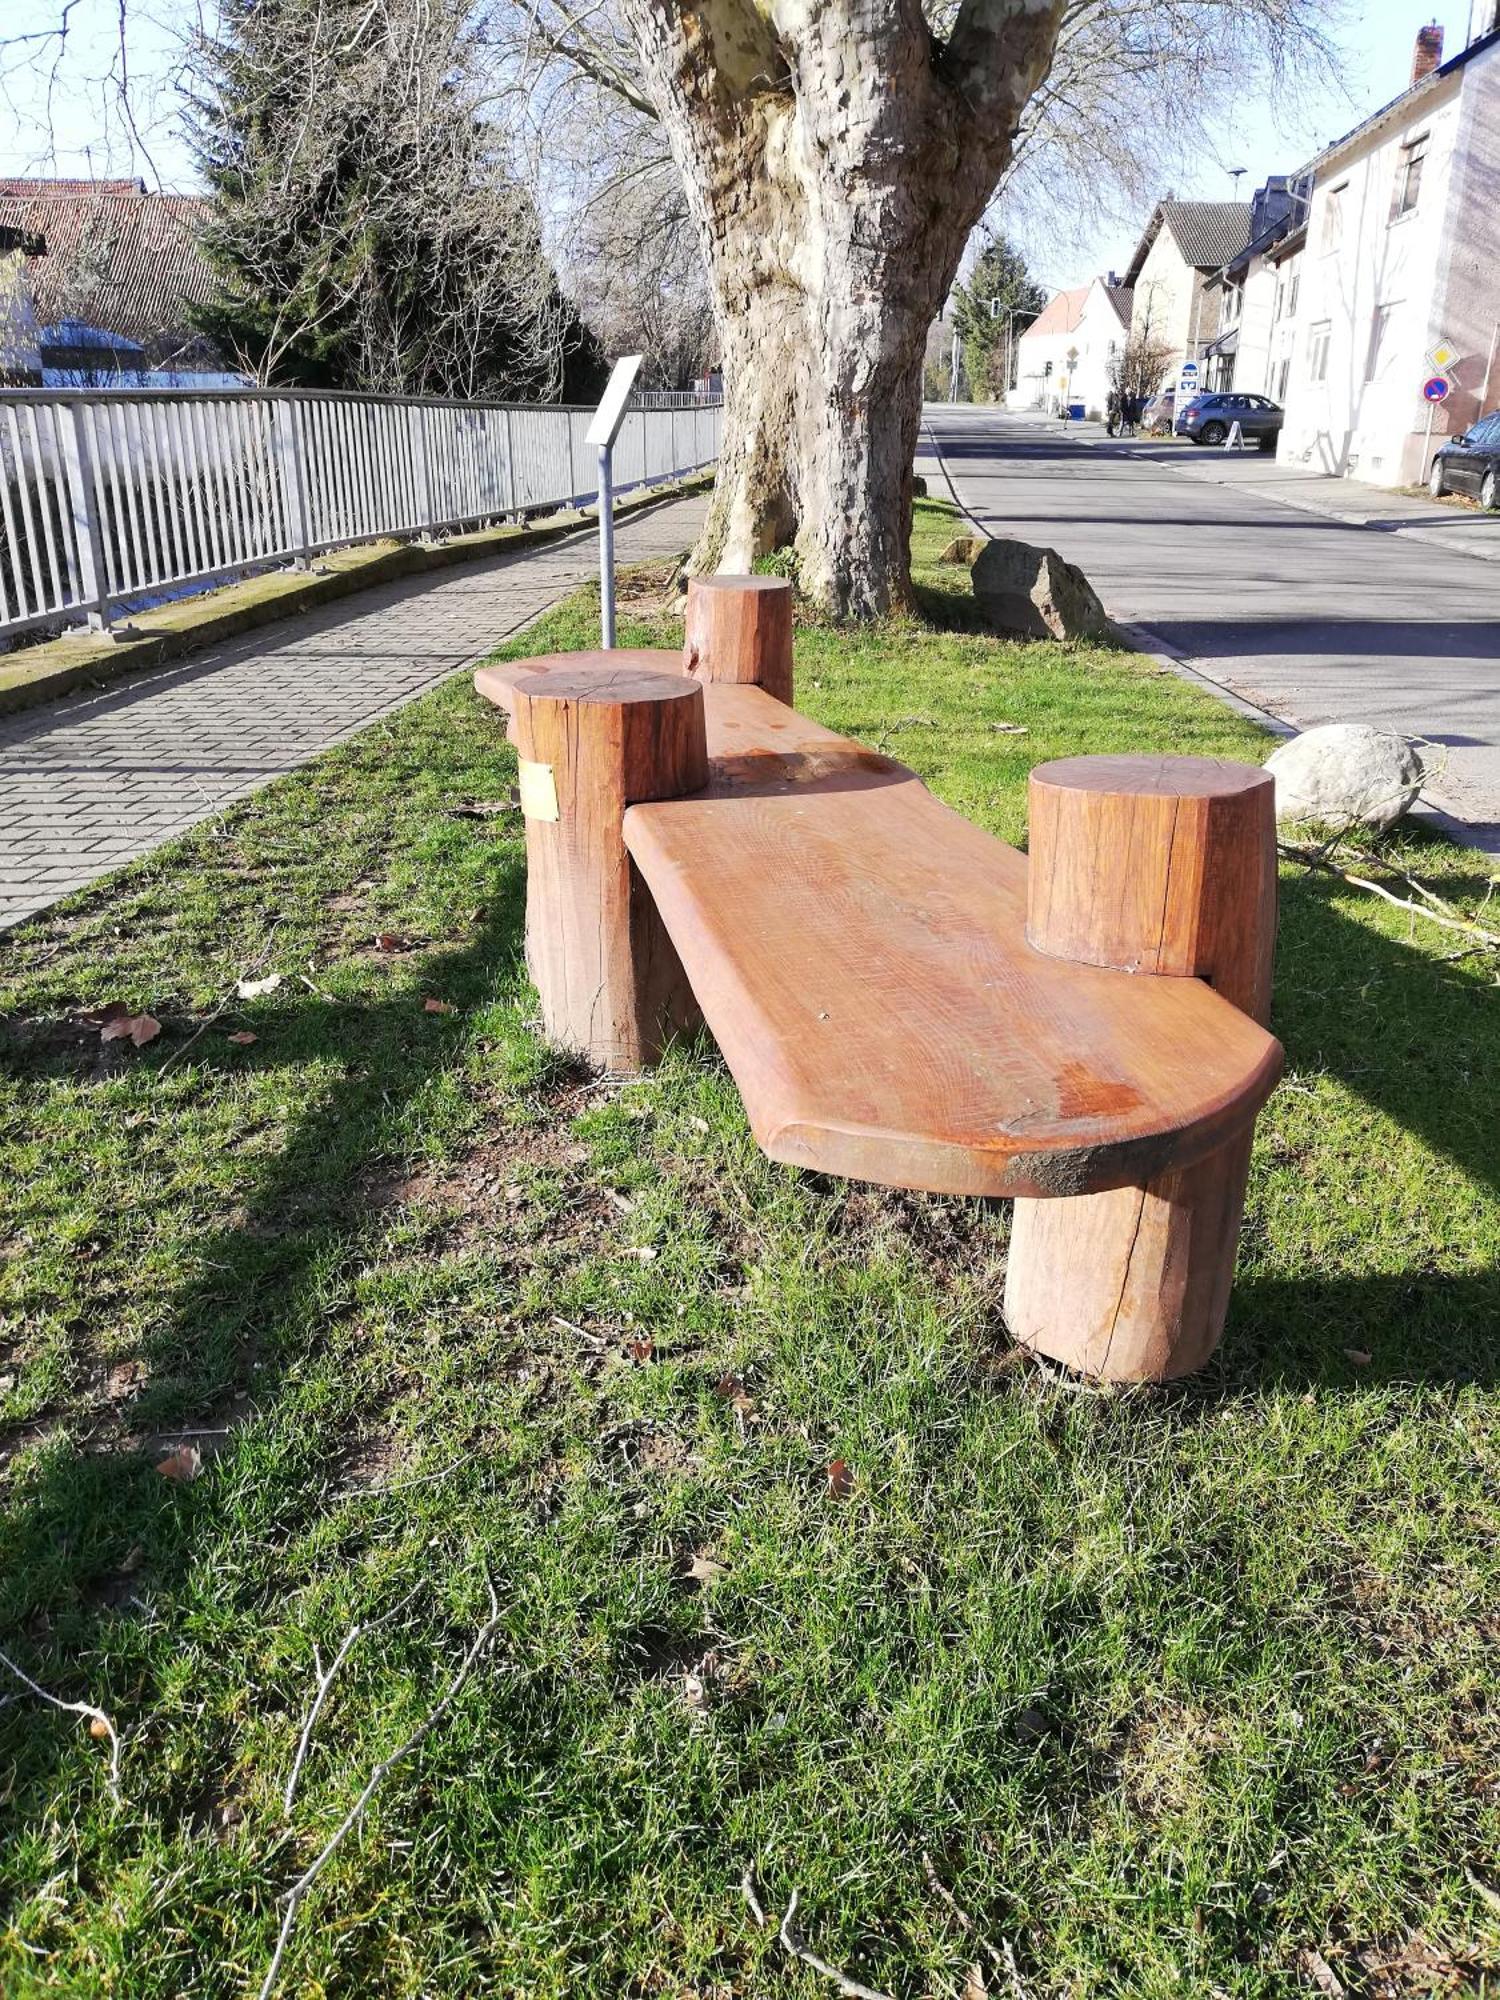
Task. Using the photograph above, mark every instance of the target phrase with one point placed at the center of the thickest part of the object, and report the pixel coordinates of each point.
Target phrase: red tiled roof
(128, 262)
(26, 185)
(1061, 314)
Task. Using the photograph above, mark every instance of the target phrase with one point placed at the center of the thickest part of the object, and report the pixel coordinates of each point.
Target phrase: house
(112, 273)
(1252, 291)
(1173, 311)
(20, 355)
(1400, 275)
(1065, 356)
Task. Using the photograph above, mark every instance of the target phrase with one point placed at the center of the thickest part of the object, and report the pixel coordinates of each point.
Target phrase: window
(1380, 326)
(1333, 217)
(1293, 284)
(1317, 351)
(1280, 377)
(1408, 188)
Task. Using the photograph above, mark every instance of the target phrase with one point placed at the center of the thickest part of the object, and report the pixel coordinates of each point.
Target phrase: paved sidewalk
(97, 779)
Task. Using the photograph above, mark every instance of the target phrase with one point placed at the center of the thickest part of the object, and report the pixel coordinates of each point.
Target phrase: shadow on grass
(269, 1281)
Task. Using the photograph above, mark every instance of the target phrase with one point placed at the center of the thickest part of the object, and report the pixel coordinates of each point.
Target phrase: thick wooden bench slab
(901, 997)
(860, 953)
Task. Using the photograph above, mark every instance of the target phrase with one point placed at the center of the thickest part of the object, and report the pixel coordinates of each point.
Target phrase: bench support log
(1163, 866)
(592, 743)
(739, 629)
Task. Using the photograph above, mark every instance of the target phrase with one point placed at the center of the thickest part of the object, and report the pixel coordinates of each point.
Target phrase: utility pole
(953, 371)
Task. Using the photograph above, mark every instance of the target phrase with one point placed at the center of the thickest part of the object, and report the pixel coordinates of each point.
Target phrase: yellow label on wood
(538, 790)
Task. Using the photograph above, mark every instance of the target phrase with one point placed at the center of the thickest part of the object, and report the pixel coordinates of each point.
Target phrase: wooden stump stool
(593, 741)
(739, 629)
(1165, 867)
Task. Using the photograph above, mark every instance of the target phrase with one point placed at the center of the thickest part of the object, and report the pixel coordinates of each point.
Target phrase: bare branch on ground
(99, 1721)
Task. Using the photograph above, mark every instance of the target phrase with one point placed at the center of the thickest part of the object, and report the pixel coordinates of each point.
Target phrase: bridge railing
(113, 496)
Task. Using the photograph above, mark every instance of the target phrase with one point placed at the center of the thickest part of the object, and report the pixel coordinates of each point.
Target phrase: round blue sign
(1435, 388)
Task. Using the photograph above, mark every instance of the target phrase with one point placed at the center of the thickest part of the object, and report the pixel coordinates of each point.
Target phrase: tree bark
(836, 156)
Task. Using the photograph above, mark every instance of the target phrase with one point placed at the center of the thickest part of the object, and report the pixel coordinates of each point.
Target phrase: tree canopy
(368, 229)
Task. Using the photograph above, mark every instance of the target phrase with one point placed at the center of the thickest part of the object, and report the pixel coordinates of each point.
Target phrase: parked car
(1156, 418)
(1470, 464)
(1207, 418)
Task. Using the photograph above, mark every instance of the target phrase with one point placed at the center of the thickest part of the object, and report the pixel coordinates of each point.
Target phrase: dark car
(1207, 418)
(1470, 464)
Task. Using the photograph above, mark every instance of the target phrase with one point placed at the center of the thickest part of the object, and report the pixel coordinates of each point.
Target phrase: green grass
(1170, 1686)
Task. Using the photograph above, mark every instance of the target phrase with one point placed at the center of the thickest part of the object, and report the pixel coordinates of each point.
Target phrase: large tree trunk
(836, 157)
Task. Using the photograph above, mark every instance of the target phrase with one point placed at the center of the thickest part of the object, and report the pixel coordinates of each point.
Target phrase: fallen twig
(399, 1485)
(747, 1890)
(101, 1724)
(1004, 1959)
(847, 1984)
(372, 1784)
(1486, 940)
(325, 1681)
(1483, 1890)
(208, 1021)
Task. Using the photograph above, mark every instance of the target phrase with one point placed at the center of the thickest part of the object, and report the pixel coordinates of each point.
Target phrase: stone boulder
(1035, 593)
(963, 550)
(1346, 774)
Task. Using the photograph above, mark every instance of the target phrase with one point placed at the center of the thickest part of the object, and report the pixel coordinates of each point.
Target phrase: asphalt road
(1308, 618)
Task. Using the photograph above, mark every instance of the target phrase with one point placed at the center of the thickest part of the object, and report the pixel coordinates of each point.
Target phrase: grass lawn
(1187, 1693)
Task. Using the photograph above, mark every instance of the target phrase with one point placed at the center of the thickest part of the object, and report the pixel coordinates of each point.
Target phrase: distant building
(1183, 246)
(112, 273)
(1252, 292)
(20, 353)
(1402, 253)
(1065, 356)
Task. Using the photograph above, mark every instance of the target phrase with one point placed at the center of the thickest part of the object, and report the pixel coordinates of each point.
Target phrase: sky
(60, 109)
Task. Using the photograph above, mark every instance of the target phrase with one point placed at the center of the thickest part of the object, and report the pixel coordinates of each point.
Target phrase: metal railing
(111, 496)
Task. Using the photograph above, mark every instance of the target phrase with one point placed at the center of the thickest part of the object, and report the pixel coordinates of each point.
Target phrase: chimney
(1428, 52)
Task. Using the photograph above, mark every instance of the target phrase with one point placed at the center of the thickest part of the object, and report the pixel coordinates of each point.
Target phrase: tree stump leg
(1131, 1285)
(1165, 867)
(593, 742)
(739, 629)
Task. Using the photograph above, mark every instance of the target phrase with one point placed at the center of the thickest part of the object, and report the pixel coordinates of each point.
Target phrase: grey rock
(1346, 774)
(1035, 593)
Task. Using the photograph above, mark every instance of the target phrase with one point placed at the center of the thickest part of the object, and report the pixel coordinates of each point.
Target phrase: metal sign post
(1436, 389)
(602, 432)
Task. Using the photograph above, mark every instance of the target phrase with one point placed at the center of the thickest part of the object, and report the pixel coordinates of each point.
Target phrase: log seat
(895, 1000)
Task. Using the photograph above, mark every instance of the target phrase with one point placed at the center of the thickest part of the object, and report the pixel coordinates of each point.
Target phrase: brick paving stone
(94, 780)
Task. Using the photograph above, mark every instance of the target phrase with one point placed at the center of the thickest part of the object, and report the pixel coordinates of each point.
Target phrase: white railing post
(510, 462)
(416, 437)
(83, 504)
(572, 467)
(287, 432)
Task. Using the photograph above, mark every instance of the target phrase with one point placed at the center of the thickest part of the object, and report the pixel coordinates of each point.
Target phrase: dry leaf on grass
(1320, 1972)
(641, 1350)
(137, 1028)
(252, 989)
(438, 1007)
(974, 1986)
(1359, 1357)
(181, 1466)
(840, 1480)
(642, 1252)
(731, 1390)
(702, 1569)
(243, 1039)
(389, 941)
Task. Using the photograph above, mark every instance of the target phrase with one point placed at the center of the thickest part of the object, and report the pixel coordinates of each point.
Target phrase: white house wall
(1366, 416)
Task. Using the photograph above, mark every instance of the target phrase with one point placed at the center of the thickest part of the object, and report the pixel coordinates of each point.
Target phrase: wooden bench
(902, 998)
